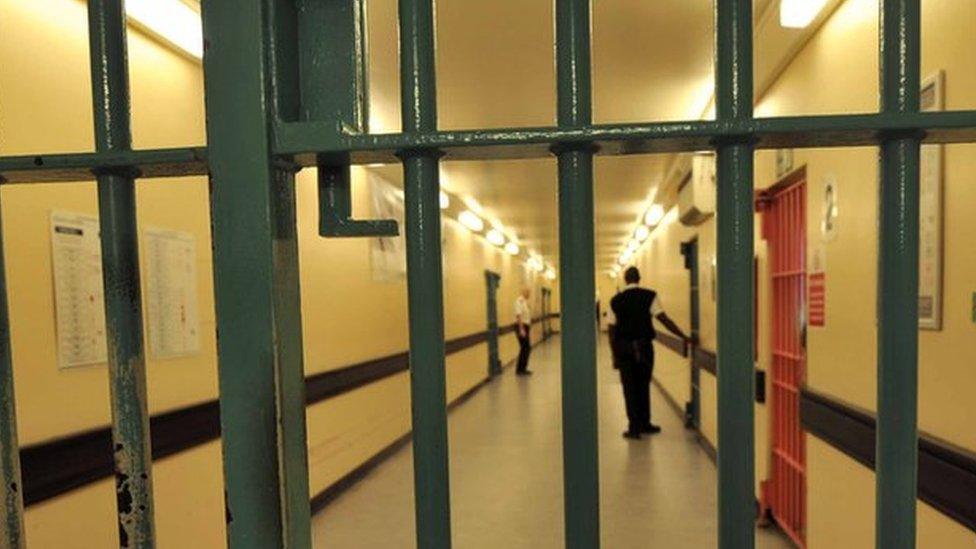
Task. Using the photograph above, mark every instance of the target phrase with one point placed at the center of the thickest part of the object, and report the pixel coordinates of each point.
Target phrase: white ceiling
(652, 60)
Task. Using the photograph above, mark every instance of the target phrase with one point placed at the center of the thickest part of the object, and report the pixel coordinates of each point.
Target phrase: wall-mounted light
(798, 14)
(471, 221)
(654, 215)
(642, 233)
(170, 20)
(445, 200)
(512, 248)
(495, 237)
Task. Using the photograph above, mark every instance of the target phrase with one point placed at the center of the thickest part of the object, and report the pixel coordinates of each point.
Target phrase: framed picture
(930, 252)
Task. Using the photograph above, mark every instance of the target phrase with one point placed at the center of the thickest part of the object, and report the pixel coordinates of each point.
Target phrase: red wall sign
(817, 302)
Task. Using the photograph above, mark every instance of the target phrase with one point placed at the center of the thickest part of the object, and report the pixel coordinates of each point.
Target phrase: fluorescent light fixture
(171, 20)
(473, 205)
(445, 201)
(471, 221)
(512, 248)
(654, 215)
(495, 237)
(798, 14)
(642, 233)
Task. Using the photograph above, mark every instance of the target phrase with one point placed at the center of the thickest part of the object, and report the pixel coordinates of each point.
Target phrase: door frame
(492, 281)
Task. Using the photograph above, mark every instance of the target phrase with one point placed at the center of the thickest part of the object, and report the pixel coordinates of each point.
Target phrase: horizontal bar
(71, 167)
(306, 139)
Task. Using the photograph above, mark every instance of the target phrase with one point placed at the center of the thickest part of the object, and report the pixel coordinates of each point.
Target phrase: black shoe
(633, 435)
(523, 373)
(651, 429)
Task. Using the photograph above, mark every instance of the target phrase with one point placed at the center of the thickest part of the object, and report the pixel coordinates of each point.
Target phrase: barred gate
(285, 90)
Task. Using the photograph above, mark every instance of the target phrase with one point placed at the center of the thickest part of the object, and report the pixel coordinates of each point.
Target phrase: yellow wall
(836, 72)
(347, 317)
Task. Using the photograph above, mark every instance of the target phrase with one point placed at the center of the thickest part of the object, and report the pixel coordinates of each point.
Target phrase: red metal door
(784, 227)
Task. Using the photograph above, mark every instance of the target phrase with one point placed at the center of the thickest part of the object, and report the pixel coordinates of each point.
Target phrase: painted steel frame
(262, 128)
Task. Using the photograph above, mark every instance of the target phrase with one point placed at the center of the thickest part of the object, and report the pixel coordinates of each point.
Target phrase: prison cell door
(692, 408)
(492, 280)
(784, 228)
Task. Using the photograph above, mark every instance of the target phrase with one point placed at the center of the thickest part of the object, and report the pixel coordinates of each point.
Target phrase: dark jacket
(632, 307)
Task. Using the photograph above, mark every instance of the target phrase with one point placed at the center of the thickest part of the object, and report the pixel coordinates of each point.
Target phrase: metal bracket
(335, 208)
(333, 87)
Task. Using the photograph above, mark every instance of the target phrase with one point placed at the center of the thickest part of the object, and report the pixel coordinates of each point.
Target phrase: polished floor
(506, 476)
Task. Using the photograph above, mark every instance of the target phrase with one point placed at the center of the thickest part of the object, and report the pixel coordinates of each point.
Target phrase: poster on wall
(171, 293)
(829, 211)
(388, 254)
(817, 288)
(817, 300)
(79, 307)
(930, 216)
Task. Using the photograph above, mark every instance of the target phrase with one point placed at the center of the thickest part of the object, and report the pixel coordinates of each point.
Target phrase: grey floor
(506, 476)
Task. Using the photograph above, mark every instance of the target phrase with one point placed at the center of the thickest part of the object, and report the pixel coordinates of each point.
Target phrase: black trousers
(635, 360)
(525, 347)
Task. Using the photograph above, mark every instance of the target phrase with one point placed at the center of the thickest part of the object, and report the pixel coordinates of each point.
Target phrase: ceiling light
(642, 233)
(798, 14)
(445, 201)
(495, 237)
(551, 273)
(473, 205)
(621, 261)
(171, 20)
(512, 248)
(612, 274)
(633, 245)
(471, 221)
(654, 215)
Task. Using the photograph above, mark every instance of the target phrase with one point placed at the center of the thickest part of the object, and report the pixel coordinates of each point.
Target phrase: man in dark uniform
(633, 309)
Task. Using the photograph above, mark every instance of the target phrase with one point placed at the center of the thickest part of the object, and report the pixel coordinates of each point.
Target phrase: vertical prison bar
(581, 493)
(12, 510)
(262, 398)
(120, 273)
(421, 182)
(733, 102)
(897, 434)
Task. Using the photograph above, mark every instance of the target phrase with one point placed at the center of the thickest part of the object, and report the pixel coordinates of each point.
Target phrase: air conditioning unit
(696, 193)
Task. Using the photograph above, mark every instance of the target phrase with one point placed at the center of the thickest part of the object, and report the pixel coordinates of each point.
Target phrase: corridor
(506, 475)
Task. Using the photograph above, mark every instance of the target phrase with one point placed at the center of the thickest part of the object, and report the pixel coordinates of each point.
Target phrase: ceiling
(652, 60)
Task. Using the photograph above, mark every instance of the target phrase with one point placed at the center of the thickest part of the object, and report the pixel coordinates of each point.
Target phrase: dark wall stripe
(54, 468)
(673, 343)
(946, 473)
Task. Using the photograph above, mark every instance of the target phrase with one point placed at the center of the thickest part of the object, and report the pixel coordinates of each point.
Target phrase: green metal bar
(72, 167)
(736, 439)
(255, 255)
(12, 510)
(311, 141)
(120, 272)
(334, 90)
(897, 438)
(421, 183)
(581, 471)
(316, 140)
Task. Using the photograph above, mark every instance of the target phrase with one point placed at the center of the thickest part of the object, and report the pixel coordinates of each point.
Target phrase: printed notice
(171, 293)
(79, 306)
(817, 306)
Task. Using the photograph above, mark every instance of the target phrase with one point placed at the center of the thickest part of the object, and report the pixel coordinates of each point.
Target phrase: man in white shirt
(523, 323)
